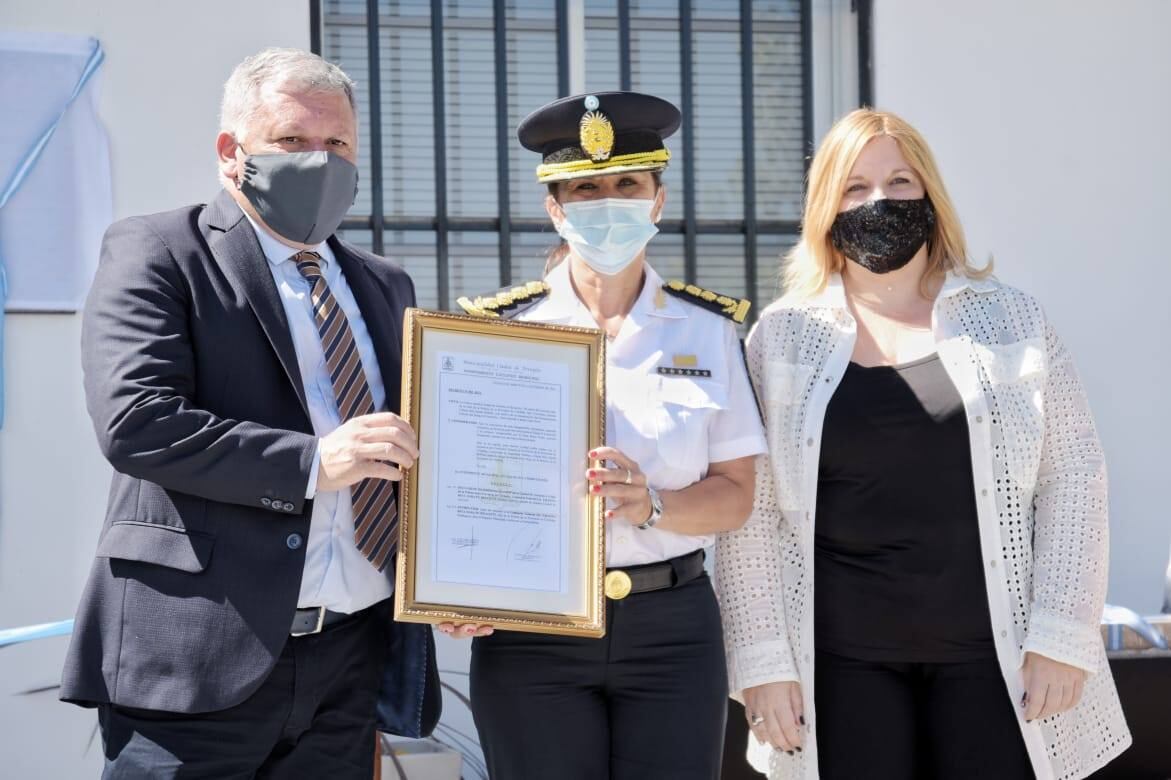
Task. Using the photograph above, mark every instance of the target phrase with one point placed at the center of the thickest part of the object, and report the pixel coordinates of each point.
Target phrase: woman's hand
(624, 486)
(464, 630)
(1050, 686)
(776, 714)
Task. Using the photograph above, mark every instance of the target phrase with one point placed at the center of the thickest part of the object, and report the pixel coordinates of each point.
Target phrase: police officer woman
(649, 699)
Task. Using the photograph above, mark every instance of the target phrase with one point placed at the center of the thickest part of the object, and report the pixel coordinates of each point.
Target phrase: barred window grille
(448, 192)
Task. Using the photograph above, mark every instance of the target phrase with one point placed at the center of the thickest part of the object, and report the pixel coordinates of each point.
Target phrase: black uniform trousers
(647, 701)
(916, 721)
(314, 716)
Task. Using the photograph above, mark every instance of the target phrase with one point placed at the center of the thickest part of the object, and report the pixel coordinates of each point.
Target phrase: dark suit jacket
(192, 383)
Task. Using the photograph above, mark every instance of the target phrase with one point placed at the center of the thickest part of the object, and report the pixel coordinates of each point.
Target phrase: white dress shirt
(673, 426)
(336, 575)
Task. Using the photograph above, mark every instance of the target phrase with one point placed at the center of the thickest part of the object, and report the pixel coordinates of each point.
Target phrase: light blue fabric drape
(25, 164)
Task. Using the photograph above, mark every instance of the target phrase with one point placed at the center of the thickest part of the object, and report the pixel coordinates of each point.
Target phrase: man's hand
(465, 630)
(373, 446)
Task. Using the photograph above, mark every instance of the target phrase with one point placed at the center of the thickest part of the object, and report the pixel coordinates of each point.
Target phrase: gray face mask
(302, 196)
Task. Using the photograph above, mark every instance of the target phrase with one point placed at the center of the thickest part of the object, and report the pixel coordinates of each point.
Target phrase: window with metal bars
(448, 192)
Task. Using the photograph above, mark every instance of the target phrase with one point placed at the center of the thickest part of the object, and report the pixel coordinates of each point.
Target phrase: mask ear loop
(240, 164)
(560, 215)
(660, 204)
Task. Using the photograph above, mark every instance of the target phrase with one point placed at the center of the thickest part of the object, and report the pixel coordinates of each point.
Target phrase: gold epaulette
(735, 309)
(507, 302)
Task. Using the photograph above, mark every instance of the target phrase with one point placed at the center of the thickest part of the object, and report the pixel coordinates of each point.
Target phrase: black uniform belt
(621, 582)
(313, 620)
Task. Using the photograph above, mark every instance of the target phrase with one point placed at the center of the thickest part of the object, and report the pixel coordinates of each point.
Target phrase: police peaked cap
(599, 133)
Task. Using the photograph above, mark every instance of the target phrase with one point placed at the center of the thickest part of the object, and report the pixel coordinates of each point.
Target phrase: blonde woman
(933, 467)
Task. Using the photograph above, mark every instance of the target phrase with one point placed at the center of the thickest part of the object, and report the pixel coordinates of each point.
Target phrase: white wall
(1049, 119)
(160, 84)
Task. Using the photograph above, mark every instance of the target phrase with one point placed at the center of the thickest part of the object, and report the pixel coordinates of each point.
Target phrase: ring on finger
(629, 477)
(756, 720)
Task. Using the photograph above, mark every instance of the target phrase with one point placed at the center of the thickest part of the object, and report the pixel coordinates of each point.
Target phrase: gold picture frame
(496, 523)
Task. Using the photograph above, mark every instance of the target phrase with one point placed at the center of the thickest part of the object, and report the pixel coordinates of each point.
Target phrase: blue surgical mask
(608, 233)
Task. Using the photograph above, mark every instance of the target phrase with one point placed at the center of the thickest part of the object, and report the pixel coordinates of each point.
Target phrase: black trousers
(908, 721)
(313, 717)
(645, 702)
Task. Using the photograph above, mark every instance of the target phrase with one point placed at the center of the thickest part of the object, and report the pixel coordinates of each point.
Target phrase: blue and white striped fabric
(55, 193)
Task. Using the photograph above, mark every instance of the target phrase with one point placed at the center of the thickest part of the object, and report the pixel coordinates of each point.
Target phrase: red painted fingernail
(609, 514)
(591, 473)
(596, 488)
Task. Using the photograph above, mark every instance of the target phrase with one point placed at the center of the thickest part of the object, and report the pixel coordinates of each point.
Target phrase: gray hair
(277, 67)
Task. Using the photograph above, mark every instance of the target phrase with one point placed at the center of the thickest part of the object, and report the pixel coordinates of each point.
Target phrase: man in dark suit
(240, 361)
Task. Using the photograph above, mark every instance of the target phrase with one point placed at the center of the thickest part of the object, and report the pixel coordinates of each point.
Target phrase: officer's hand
(371, 446)
(465, 630)
(624, 486)
(778, 713)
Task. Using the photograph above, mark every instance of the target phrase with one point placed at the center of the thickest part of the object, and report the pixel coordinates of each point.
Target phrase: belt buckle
(617, 584)
(316, 628)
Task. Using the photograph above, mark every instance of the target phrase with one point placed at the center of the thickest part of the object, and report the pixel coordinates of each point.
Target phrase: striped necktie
(375, 508)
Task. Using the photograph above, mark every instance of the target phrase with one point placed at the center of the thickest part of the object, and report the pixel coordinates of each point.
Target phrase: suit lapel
(234, 246)
(382, 317)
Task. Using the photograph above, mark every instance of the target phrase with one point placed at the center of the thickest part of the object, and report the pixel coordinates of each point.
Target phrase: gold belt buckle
(617, 584)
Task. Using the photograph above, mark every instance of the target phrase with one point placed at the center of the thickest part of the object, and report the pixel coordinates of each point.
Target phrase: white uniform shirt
(673, 426)
(336, 575)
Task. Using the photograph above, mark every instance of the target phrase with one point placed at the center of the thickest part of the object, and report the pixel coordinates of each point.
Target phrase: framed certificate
(497, 526)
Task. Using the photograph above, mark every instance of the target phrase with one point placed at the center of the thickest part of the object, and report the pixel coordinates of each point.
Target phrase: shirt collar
(563, 303)
(955, 283)
(276, 252)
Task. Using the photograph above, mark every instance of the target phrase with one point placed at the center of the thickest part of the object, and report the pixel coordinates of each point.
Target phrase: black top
(897, 561)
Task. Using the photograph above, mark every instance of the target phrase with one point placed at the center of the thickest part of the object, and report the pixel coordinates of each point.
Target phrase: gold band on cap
(547, 171)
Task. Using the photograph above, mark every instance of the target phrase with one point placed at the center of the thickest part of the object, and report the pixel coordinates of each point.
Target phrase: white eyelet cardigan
(1040, 482)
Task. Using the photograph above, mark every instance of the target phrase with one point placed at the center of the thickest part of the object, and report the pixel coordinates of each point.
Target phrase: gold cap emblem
(617, 584)
(596, 136)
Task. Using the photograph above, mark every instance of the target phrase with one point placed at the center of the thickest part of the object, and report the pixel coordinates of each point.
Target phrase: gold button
(617, 584)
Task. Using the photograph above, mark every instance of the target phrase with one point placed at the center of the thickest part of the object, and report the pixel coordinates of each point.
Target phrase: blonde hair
(810, 264)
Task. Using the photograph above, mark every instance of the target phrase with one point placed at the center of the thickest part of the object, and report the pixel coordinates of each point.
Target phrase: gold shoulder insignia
(506, 303)
(735, 309)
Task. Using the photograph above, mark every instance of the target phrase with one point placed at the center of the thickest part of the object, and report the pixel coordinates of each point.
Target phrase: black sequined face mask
(883, 235)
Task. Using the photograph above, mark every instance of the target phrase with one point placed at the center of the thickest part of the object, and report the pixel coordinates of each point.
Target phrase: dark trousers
(645, 702)
(907, 721)
(312, 717)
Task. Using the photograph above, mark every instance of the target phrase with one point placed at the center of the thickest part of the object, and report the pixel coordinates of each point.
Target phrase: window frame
(504, 224)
